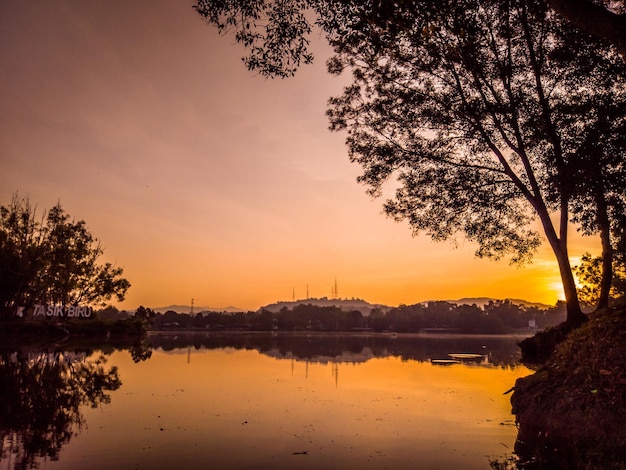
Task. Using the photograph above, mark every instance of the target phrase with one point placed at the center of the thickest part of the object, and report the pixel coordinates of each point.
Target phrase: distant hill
(197, 308)
(344, 304)
(482, 301)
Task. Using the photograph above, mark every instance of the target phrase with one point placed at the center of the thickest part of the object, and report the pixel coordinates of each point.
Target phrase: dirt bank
(571, 412)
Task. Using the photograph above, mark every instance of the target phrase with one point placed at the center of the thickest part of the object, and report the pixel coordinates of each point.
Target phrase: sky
(205, 181)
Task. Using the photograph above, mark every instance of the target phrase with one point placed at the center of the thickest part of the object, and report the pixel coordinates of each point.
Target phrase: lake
(261, 401)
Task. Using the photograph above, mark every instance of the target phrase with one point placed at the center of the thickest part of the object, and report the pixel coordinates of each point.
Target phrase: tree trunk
(607, 251)
(575, 316)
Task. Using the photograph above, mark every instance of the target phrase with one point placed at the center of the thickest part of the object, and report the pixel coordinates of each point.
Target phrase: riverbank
(14, 331)
(571, 411)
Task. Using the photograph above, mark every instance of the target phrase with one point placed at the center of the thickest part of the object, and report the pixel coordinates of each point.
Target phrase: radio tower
(191, 307)
(335, 290)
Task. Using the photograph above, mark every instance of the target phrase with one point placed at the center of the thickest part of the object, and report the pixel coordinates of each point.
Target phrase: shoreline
(571, 411)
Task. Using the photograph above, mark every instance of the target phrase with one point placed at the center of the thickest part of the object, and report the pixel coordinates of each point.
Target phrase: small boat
(467, 357)
(444, 362)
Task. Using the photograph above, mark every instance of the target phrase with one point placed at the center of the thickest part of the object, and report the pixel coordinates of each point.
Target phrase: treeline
(495, 317)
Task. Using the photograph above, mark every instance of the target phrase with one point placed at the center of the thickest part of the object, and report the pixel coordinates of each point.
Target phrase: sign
(65, 311)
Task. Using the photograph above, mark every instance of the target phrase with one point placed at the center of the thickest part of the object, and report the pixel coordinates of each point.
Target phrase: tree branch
(594, 19)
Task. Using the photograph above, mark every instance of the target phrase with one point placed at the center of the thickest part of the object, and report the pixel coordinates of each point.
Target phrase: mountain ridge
(197, 309)
(346, 304)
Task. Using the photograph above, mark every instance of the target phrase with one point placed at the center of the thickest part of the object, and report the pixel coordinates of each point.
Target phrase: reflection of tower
(191, 313)
(336, 373)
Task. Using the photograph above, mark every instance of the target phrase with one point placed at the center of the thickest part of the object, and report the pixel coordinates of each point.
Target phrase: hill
(344, 304)
(197, 308)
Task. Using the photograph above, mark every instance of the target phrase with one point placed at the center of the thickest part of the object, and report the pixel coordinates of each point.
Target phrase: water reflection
(42, 393)
(323, 348)
(296, 400)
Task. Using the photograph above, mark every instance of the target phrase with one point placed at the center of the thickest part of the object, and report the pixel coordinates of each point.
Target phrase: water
(260, 401)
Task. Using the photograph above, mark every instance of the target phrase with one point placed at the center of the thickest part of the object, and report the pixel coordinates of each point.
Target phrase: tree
(472, 107)
(604, 19)
(589, 274)
(52, 259)
(144, 313)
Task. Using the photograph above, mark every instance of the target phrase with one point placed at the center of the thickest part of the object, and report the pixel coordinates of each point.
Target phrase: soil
(571, 412)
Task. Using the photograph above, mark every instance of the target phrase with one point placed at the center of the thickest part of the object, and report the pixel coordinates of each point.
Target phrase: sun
(555, 287)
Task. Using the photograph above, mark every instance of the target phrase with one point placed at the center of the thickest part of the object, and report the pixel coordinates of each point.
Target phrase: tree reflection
(41, 398)
(140, 351)
(502, 351)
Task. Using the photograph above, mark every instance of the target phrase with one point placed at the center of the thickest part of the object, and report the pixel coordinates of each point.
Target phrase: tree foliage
(495, 317)
(51, 259)
(485, 114)
(602, 18)
(589, 276)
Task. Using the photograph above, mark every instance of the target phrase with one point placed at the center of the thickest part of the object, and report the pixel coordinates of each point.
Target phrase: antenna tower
(191, 306)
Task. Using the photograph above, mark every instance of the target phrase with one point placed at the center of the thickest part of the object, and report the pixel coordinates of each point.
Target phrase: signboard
(63, 311)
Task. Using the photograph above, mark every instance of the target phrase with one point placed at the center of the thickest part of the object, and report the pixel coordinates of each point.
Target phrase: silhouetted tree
(470, 105)
(144, 313)
(605, 19)
(589, 273)
(51, 260)
(470, 319)
(108, 313)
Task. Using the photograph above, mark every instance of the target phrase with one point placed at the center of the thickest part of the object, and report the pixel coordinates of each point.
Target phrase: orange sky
(203, 180)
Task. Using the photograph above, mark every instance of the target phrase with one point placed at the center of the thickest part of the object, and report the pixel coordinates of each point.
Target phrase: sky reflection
(237, 408)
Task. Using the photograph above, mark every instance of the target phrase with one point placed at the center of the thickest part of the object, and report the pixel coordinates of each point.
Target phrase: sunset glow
(204, 181)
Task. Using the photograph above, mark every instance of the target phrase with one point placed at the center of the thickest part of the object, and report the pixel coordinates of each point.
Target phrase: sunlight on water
(236, 408)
